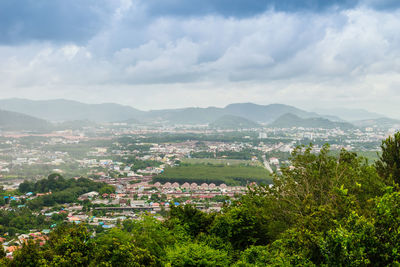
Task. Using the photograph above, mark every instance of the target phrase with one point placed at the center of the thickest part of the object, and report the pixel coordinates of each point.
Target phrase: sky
(155, 54)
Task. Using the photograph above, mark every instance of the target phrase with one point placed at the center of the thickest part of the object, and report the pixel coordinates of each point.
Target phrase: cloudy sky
(154, 54)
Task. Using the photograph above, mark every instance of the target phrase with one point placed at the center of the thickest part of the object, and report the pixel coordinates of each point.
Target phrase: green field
(218, 174)
(222, 161)
(372, 156)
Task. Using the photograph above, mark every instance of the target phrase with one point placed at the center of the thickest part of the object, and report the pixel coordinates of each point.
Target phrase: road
(266, 165)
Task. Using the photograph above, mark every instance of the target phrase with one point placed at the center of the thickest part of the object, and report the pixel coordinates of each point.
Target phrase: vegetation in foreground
(326, 211)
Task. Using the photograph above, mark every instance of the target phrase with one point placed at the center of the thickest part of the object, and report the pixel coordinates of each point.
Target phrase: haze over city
(169, 54)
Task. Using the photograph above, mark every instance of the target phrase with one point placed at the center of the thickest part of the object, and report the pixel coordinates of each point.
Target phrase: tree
(386, 218)
(13, 203)
(242, 226)
(29, 255)
(193, 219)
(26, 187)
(313, 179)
(117, 248)
(196, 254)
(69, 245)
(388, 165)
(151, 235)
(106, 189)
(2, 252)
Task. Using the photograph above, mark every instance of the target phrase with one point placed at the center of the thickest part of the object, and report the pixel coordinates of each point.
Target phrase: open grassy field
(372, 156)
(218, 174)
(221, 161)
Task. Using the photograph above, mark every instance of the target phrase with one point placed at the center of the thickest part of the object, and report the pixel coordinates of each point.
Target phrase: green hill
(66, 110)
(233, 122)
(249, 111)
(384, 123)
(13, 121)
(265, 113)
(61, 110)
(289, 120)
(350, 114)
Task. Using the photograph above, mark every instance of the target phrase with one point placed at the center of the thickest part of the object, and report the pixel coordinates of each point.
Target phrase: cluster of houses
(143, 188)
(11, 246)
(118, 167)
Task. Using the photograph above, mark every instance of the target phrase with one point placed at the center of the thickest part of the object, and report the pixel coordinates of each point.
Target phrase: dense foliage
(62, 190)
(324, 210)
(137, 163)
(388, 165)
(21, 221)
(218, 174)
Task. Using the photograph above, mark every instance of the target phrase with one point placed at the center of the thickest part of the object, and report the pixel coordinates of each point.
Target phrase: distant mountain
(290, 120)
(13, 121)
(350, 114)
(67, 110)
(385, 123)
(61, 110)
(233, 122)
(249, 111)
(265, 113)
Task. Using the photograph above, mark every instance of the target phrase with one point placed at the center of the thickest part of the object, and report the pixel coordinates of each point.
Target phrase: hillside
(16, 121)
(233, 122)
(61, 110)
(249, 111)
(67, 110)
(350, 114)
(264, 113)
(290, 120)
(384, 123)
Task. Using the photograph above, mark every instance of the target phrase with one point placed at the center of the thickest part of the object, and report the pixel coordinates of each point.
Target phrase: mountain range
(233, 122)
(350, 114)
(63, 112)
(379, 122)
(60, 110)
(290, 120)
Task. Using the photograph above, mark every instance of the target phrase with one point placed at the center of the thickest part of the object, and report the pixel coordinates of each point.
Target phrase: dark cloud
(78, 21)
(239, 8)
(54, 20)
(381, 4)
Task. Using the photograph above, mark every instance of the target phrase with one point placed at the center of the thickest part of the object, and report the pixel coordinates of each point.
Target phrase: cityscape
(149, 168)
